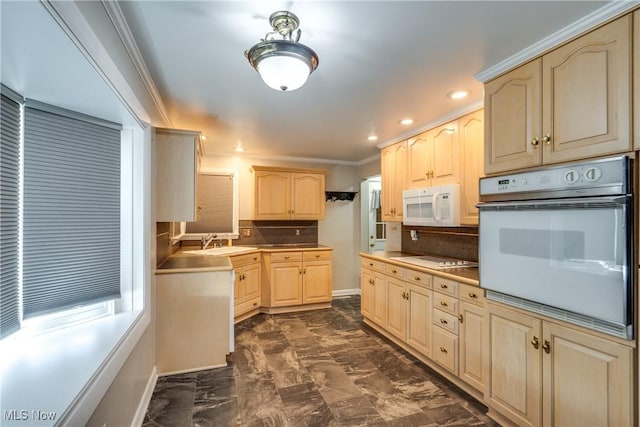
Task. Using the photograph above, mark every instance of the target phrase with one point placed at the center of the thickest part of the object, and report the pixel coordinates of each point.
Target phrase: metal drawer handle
(460, 318)
(444, 304)
(472, 295)
(394, 271)
(255, 303)
(444, 350)
(318, 256)
(417, 279)
(287, 257)
(444, 322)
(443, 286)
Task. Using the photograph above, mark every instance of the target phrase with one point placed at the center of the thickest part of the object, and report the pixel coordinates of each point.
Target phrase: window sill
(59, 378)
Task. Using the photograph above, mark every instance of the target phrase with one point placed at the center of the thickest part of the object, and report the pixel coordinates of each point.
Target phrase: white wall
(341, 227)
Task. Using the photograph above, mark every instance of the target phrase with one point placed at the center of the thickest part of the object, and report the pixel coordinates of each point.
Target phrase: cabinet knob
(472, 295)
(535, 141)
(546, 139)
(444, 322)
(444, 350)
(546, 347)
(535, 343)
(460, 318)
(443, 286)
(417, 278)
(394, 271)
(287, 257)
(255, 303)
(444, 304)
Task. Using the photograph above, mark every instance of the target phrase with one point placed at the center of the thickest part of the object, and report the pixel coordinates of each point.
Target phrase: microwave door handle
(434, 203)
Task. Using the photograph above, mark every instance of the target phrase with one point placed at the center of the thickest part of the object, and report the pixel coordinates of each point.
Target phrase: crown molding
(469, 108)
(295, 159)
(124, 32)
(608, 12)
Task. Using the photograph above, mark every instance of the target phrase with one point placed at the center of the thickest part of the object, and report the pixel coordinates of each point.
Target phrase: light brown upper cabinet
(286, 194)
(571, 103)
(433, 157)
(393, 175)
(471, 129)
(177, 165)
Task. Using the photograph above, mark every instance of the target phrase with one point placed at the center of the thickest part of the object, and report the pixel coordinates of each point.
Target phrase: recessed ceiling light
(458, 94)
(372, 137)
(406, 122)
(204, 137)
(239, 148)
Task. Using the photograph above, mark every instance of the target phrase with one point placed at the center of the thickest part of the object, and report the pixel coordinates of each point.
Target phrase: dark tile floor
(316, 368)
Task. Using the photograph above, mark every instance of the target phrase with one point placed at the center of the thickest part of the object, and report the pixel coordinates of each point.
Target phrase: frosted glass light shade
(283, 65)
(284, 73)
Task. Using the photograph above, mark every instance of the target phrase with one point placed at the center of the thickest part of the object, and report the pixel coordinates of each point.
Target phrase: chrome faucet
(206, 241)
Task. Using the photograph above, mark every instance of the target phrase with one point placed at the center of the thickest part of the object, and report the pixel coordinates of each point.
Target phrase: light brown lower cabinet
(246, 285)
(543, 373)
(431, 316)
(297, 278)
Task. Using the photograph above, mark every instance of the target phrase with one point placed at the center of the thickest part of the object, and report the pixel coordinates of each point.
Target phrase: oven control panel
(606, 173)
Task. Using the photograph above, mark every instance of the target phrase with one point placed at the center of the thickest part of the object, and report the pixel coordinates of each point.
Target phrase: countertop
(182, 262)
(468, 275)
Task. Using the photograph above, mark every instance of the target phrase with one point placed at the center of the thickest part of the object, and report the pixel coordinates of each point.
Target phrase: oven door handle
(588, 202)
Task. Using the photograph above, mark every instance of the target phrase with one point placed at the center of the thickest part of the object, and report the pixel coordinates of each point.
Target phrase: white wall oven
(559, 241)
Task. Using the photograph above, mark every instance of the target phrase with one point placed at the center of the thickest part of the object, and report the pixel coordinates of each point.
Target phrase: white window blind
(9, 210)
(215, 198)
(71, 210)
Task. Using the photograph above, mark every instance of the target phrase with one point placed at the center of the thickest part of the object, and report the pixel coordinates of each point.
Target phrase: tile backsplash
(454, 242)
(277, 232)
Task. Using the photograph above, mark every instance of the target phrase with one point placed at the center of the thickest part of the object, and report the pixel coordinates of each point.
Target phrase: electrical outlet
(246, 232)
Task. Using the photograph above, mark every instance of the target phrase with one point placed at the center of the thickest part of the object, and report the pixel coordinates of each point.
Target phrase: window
(218, 205)
(64, 249)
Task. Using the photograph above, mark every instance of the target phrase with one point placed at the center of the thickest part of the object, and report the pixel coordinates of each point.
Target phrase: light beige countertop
(468, 275)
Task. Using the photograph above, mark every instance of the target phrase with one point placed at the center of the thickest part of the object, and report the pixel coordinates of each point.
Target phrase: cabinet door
(251, 281)
(366, 292)
(177, 165)
(396, 308)
(472, 345)
(445, 349)
(636, 79)
(586, 92)
(316, 285)
(417, 162)
(514, 380)
(419, 318)
(272, 195)
(307, 196)
(471, 128)
(393, 177)
(445, 155)
(379, 300)
(588, 381)
(512, 107)
(286, 284)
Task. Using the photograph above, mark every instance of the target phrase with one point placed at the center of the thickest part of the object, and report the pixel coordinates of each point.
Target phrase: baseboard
(345, 292)
(138, 419)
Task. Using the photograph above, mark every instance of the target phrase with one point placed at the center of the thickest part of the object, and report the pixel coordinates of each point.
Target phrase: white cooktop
(435, 262)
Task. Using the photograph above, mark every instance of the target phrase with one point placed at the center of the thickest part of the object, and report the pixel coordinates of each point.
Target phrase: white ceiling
(380, 61)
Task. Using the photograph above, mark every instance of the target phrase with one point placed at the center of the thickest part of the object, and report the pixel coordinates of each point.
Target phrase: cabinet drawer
(446, 321)
(394, 270)
(419, 278)
(446, 286)
(286, 256)
(445, 349)
(472, 294)
(240, 260)
(445, 303)
(373, 265)
(316, 255)
(245, 307)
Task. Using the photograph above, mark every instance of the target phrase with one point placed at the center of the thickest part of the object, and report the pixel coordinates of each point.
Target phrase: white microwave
(437, 206)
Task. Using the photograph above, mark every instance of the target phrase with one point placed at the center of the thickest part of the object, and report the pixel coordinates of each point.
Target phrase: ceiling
(380, 61)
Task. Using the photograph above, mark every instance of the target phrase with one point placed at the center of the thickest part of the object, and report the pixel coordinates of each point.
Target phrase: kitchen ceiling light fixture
(458, 94)
(406, 122)
(284, 64)
(372, 137)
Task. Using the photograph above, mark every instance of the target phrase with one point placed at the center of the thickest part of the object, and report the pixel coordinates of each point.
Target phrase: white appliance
(559, 241)
(432, 206)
